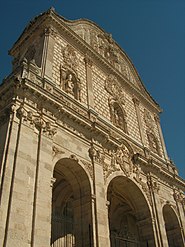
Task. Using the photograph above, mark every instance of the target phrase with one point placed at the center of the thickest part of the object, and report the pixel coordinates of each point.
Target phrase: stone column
(136, 104)
(100, 216)
(157, 120)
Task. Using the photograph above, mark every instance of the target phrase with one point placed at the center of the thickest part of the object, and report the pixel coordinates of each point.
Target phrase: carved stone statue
(69, 84)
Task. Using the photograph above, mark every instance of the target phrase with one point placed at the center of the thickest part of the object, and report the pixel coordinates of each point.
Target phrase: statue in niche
(117, 116)
(70, 83)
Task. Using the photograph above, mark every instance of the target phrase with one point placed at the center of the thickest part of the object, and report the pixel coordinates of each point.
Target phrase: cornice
(65, 106)
(150, 165)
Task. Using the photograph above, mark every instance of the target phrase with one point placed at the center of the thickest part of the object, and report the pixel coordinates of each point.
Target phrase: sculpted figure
(69, 85)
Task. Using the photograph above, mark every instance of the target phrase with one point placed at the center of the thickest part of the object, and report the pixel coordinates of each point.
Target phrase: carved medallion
(114, 88)
(70, 58)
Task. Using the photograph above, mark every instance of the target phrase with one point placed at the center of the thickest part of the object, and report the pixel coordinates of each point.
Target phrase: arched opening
(71, 223)
(172, 227)
(118, 116)
(130, 221)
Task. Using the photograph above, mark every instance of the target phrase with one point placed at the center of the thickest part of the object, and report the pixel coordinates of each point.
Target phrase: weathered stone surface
(83, 160)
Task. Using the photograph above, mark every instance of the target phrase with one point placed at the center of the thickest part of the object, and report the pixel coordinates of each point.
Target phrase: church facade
(83, 162)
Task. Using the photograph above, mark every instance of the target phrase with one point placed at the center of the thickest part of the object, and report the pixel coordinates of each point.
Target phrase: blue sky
(151, 32)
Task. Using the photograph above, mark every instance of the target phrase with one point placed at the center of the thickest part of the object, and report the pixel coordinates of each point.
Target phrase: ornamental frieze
(33, 119)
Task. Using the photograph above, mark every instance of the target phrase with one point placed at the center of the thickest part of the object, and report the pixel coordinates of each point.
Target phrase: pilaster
(100, 203)
(136, 104)
(47, 55)
(90, 97)
(157, 120)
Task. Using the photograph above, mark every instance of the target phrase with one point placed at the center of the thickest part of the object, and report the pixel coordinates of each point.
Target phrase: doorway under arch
(172, 227)
(130, 220)
(71, 223)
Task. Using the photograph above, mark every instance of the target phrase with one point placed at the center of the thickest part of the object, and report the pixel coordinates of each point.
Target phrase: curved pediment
(104, 44)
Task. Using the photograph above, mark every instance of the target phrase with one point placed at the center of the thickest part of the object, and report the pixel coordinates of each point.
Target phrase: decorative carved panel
(70, 58)
(114, 88)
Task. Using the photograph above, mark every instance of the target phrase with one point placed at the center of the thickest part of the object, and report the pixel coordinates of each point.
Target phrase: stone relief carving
(70, 82)
(178, 196)
(70, 57)
(148, 120)
(116, 102)
(123, 158)
(153, 142)
(153, 183)
(114, 88)
(36, 120)
(56, 151)
(152, 139)
(104, 44)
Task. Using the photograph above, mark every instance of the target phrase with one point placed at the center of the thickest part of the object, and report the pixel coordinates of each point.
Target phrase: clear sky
(151, 32)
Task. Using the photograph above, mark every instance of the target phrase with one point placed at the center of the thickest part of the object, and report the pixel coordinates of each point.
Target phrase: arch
(130, 219)
(172, 226)
(71, 205)
(118, 115)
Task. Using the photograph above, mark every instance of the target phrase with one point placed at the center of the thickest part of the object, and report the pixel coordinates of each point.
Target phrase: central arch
(71, 223)
(130, 220)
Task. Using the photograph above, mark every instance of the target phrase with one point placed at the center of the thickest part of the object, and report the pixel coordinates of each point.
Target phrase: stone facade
(83, 160)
